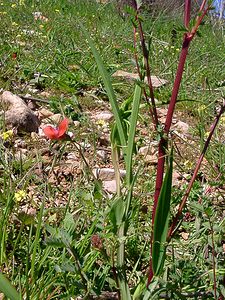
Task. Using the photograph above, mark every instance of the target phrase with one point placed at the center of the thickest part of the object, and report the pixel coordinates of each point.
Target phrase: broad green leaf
(162, 221)
(109, 89)
(7, 288)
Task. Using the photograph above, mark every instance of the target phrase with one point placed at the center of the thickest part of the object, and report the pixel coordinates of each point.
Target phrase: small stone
(76, 124)
(18, 114)
(56, 118)
(185, 235)
(181, 127)
(33, 90)
(71, 156)
(45, 113)
(106, 116)
(147, 150)
(107, 174)
(151, 159)
(45, 94)
(109, 186)
(102, 154)
(156, 81)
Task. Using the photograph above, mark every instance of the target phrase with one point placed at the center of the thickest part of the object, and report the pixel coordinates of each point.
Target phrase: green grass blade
(7, 288)
(162, 221)
(132, 130)
(36, 241)
(108, 86)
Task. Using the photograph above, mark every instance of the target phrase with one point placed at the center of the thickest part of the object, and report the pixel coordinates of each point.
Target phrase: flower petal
(62, 128)
(51, 133)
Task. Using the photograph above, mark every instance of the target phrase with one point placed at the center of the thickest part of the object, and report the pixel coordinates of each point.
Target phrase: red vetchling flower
(57, 133)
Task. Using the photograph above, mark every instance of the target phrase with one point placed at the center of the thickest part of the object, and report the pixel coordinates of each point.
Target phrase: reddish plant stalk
(187, 13)
(184, 200)
(163, 144)
(162, 148)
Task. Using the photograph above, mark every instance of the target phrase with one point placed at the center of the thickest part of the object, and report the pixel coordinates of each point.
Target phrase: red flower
(14, 55)
(57, 133)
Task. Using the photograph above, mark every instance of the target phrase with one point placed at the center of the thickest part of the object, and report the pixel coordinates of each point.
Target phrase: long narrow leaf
(162, 221)
(132, 130)
(109, 89)
(7, 288)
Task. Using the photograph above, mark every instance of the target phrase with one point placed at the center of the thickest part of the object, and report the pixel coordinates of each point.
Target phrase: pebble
(106, 116)
(107, 174)
(109, 186)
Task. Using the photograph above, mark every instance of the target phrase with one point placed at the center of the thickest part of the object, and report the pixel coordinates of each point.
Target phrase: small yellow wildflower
(222, 120)
(177, 49)
(101, 122)
(188, 164)
(41, 26)
(7, 135)
(206, 134)
(14, 24)
(57, 10)
(20, 196)
(13, 5)
(201, 108)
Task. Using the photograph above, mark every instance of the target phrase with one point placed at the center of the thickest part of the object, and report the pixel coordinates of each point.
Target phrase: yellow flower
(14, 24)
(41, 26)
(13, 5)
(20, 195)
(188, 164)
(101, 122)
(7, 135)
(202, 108)
(57, 10)
(222, 120)
(206, 134)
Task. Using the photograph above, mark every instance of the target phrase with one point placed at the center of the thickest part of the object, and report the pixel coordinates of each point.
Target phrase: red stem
(187, 13)
(163, 141)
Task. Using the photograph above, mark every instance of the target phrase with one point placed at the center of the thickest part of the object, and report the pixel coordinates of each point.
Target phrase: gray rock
(18, 114)
(107, 174)
(109, 186)
(102, 154)
(56, 118)
(106, 116)
(151, 159)
(45, 113)
(181, 127)
(156, 81)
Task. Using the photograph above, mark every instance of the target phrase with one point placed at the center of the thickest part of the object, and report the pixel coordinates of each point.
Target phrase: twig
(33, 99)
